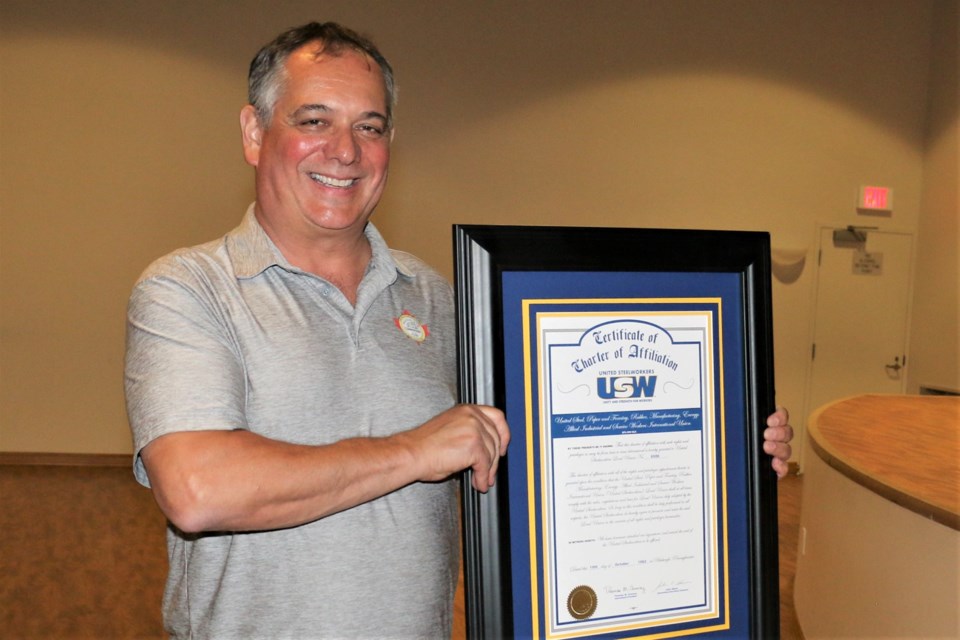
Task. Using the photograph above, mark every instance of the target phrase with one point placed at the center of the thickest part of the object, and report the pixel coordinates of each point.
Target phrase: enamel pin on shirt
(411, 327)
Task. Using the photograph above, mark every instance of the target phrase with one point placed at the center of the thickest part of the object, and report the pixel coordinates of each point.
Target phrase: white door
(860, 321)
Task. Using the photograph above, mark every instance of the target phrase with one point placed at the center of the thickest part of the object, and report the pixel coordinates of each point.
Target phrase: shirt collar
(252, 251)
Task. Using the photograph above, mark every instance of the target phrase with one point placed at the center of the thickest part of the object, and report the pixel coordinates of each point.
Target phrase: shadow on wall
(531, 50)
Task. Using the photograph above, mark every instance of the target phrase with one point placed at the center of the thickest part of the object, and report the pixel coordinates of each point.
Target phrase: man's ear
(251, 133)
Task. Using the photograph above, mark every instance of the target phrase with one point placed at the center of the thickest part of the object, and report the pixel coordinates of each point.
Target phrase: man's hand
(468, 436)
(776, 440)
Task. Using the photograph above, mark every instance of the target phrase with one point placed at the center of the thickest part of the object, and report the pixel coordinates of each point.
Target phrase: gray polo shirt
(229, 335)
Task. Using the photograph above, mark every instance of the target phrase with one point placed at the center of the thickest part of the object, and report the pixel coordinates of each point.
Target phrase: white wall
(118, 142)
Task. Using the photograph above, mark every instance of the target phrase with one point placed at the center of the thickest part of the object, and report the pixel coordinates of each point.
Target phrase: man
(291, 386)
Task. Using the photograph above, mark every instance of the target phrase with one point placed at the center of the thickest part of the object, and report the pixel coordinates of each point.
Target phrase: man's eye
(311, 122)
(371, 130)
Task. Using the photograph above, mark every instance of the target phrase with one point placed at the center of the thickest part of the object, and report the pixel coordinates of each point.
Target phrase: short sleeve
(183, 371)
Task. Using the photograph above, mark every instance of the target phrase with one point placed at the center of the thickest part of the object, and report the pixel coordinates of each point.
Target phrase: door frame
(801, 447)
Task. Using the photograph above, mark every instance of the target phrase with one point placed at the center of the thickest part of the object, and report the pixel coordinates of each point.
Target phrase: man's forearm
(240, 481)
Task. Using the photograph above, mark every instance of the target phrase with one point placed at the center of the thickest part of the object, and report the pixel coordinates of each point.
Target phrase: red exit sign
(876, 198)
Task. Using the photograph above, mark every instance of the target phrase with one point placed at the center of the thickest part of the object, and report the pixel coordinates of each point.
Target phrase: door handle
(896, 366)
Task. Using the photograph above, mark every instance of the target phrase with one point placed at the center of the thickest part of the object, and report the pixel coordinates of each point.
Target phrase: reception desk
(879, 551)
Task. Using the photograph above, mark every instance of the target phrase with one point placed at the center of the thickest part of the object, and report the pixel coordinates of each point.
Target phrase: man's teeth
(331, 182)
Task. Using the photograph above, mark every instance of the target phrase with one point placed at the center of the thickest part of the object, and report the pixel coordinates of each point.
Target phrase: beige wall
(119, 142)
(935, 343)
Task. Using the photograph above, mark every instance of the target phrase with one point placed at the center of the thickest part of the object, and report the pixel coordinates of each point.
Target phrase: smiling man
(291, 386)
(298, 440)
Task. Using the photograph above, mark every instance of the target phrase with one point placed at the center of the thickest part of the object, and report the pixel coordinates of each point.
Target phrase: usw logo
(626, 386)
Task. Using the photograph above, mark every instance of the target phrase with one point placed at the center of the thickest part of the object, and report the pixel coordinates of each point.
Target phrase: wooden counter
(879, 551)
(904, 448)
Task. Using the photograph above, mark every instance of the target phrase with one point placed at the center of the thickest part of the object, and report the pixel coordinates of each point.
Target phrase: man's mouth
(327, 181)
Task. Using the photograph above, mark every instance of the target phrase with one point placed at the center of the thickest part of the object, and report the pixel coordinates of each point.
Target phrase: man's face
(322, 161)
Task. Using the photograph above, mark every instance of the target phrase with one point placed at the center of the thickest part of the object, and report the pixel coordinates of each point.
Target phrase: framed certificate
(635, 370)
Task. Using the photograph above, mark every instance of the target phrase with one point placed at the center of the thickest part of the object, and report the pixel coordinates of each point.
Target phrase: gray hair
(266, 76)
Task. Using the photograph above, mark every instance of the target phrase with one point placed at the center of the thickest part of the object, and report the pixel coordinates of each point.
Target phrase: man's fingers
(779, 418)
(489, 432)
(485, 476)
(485, 473)
(778, 433)
(498, 422)
(495, 435)
(780, 467)
(779, 450)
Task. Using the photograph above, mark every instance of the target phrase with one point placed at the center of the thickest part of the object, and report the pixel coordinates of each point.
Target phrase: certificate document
(627, 428)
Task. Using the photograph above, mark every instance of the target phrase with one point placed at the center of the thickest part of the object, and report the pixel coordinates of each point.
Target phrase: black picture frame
(484, 256)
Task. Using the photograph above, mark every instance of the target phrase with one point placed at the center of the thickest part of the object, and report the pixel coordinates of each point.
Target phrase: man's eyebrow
(308, 108)
(376, 114)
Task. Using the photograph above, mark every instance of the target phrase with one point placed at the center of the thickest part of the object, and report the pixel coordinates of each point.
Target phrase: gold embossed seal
(582, 602)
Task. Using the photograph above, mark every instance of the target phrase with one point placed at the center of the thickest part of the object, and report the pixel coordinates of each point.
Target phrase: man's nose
(342, 146)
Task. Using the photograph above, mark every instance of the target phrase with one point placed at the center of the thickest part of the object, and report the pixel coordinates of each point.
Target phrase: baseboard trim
(65, 459)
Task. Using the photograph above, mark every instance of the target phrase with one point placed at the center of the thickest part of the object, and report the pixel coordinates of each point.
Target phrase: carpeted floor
(82, 554)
